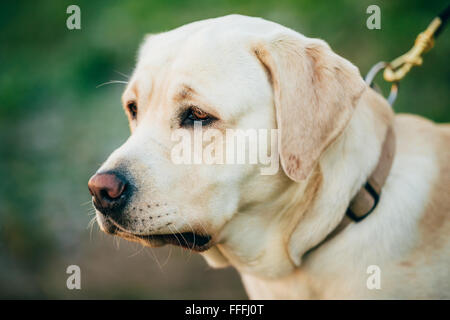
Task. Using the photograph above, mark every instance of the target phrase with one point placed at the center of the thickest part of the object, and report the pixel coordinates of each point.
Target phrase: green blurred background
(57, 126)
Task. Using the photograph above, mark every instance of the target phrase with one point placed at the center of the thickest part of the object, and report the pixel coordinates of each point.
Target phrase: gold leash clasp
(399, 67)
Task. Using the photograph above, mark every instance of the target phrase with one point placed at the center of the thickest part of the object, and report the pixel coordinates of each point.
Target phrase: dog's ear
(315, 93)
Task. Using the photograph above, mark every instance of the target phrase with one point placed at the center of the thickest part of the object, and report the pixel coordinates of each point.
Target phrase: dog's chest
(300, 285)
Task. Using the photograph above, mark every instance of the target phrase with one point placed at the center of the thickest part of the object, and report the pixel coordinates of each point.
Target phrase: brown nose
(108, 190)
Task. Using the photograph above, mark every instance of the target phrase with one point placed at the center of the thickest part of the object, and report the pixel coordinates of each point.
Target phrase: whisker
(155, 258)
(193, 244)
(86, 203)
(168, 256)
(137, 251)
(110, 82)
(91, 226)
(122, 74)
(117, 242)
(175, 234)
(201, 225)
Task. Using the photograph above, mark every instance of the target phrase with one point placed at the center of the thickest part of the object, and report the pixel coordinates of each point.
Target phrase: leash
(398, 68)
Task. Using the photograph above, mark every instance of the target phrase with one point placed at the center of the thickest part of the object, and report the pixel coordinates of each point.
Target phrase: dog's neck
(345, 167)
(269, 241)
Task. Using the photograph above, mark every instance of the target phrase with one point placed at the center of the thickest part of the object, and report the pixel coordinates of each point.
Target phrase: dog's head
(233, 72)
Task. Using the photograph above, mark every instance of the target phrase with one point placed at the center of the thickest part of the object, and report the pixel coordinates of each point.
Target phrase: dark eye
(195, 114)
(132, 108)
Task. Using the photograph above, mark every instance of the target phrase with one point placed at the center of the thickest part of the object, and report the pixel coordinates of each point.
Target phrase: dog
(285, 232)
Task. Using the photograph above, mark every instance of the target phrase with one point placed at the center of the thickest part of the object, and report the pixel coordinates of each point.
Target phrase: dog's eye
(132, 108)
(195, 114)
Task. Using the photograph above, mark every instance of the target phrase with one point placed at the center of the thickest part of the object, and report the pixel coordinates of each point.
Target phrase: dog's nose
(109, 192)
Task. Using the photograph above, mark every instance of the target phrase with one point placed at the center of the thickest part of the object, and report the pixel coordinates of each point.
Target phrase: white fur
(245, 212)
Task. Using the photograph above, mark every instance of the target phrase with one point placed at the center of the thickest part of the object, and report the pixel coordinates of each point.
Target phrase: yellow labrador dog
(360, 207)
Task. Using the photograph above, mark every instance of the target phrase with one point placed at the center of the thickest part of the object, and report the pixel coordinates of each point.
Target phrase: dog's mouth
(188, 240)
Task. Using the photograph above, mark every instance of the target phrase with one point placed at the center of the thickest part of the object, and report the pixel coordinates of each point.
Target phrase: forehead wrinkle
(186, 95)
(186, 92)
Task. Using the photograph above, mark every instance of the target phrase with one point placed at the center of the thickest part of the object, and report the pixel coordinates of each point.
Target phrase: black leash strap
(444, 16)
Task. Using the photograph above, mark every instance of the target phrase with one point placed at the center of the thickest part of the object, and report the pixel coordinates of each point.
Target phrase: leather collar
(366, 199)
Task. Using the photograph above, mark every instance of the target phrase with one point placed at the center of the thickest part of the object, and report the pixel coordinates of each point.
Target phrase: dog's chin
(188, 240)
